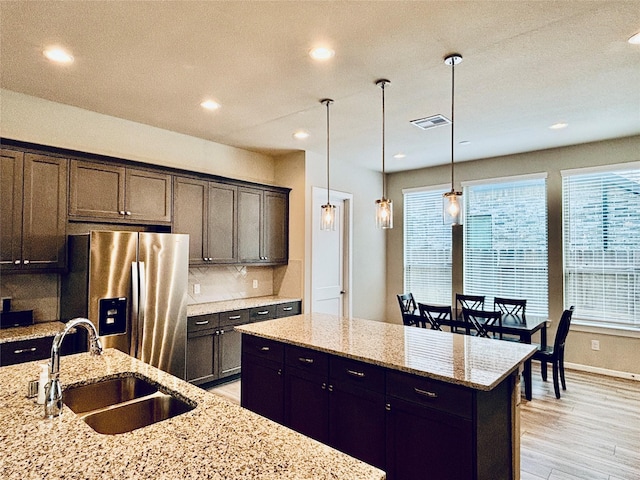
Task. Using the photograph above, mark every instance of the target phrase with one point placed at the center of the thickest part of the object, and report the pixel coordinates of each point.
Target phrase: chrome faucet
(53, 391)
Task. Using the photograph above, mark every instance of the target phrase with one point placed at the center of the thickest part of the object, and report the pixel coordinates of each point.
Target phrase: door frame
(347, 241)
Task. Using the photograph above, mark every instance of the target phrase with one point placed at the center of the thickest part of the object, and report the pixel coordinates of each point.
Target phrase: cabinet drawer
(431, 393)
(288, 309)
(346, 372)
(236, 317)
(202, 323)
(25, 350)
(311, 361)
(263, 313)
(263, 348)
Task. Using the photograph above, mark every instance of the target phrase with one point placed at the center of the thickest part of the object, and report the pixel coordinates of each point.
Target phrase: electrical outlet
(196, 288)
(595, 344)
(255, 284)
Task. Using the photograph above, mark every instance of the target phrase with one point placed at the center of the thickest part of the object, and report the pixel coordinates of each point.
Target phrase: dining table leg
(528, 390)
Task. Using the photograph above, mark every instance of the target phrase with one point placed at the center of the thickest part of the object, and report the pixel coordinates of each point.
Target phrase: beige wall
(619, 351)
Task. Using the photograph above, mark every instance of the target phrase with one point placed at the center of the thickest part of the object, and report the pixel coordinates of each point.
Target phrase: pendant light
(384, 206)
(328, 214)
(452, 200)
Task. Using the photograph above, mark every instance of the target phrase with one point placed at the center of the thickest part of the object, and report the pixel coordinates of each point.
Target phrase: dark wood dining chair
(474, 302)
(408, 308)
(433, 315)
(555, 354)
(479, 320)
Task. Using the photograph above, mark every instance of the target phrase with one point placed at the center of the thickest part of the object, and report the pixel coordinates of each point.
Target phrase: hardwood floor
(591, 433)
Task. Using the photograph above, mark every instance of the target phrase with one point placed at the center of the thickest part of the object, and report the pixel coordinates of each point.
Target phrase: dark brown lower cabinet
(412, 427)
(22, 351)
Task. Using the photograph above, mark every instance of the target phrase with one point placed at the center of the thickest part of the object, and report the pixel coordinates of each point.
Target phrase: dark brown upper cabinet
(207, 212)
(33, 191)
(263, 226)
(102, 192)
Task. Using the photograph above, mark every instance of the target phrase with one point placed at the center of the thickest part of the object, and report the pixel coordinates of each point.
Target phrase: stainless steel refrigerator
(133, 288)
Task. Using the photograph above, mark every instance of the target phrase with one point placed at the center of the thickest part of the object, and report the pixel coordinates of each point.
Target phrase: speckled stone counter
(236, 304)
(30, 332)
(478, 363)
(216, 440)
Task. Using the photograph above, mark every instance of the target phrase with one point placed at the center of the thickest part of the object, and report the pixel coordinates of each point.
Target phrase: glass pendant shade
(384, 213)
(328, 217)
(452, 208)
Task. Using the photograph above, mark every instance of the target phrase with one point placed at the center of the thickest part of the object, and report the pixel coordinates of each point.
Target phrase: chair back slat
(473, 302)
(434, 315)
(510, 306)
(408, 308)
(563, 329)
(479, 320)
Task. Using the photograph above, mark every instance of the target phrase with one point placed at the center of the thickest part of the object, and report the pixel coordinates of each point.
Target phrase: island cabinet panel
(337, 401)
(21, 351)
(103, 192)
(207, 212)
(33, 192)
(262, 377)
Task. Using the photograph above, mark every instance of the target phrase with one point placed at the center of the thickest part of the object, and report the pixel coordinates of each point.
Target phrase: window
(505, 240)
(601, 234)
(427, 247)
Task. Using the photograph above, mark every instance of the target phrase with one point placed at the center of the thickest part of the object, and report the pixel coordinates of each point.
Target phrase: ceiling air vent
(431, 122)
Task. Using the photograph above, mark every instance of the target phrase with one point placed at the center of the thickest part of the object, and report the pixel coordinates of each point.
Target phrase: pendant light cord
(384, 177)
(327, 102)
(453, 66)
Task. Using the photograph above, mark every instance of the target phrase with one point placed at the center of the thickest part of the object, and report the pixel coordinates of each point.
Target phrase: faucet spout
(53, 391)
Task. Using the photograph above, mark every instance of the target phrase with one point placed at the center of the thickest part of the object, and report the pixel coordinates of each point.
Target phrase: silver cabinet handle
(323, 386)
(330, 388)
(26, 262)
(387, 407)
(426, 393)
(25, 350)
(355, 373)
(264, 349)
(287, 309)
(16, 262)
(235, 317)
(202, 322)
(263, 312)
(221, 332)
(127, 213)
(308, 361)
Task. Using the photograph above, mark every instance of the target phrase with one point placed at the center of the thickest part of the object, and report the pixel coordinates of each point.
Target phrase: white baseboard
(602, 371)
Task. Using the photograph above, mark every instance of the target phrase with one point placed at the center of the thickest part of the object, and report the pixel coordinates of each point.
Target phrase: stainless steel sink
(86, 398)
(138, 414)
(123, 404)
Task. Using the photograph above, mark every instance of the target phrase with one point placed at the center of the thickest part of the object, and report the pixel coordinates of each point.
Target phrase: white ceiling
(527, 65)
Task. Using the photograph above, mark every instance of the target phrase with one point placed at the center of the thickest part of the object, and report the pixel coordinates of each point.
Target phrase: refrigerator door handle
(135, 290)
(141, 308)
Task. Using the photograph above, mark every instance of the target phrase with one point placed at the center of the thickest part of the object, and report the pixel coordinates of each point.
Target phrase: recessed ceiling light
(322, 53)
(210, 105)
(399, 156)
(559, 126)
(634, 39)
(300, 134)
(58, 55)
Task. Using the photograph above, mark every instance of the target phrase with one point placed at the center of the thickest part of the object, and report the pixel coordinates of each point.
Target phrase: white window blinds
(505, 241)
(427, 247)
(601, 234)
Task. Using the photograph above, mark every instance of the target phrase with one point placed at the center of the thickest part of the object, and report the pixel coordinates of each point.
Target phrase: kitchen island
(417, 403)
(215, 440)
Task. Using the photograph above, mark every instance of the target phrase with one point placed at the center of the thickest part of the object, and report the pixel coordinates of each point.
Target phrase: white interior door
(330, 257)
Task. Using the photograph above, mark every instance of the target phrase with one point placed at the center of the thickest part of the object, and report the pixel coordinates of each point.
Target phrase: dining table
(520, 328)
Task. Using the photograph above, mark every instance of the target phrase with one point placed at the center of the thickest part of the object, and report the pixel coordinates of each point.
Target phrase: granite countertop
(216, 440)
(478, 363)
(236, 304)
(38, 330)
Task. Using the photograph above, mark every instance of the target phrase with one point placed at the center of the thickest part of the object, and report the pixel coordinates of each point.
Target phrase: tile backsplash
(228, 283)
(37, 292)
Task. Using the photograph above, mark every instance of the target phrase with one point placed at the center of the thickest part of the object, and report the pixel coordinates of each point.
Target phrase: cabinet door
(44, 207)
(190, 216)
(222, 229)
(200, 360)
(229, 352)
(11, 164)
(276, 227)
(147, 196)
(425, 443)
(97, 191)
(249, 225)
